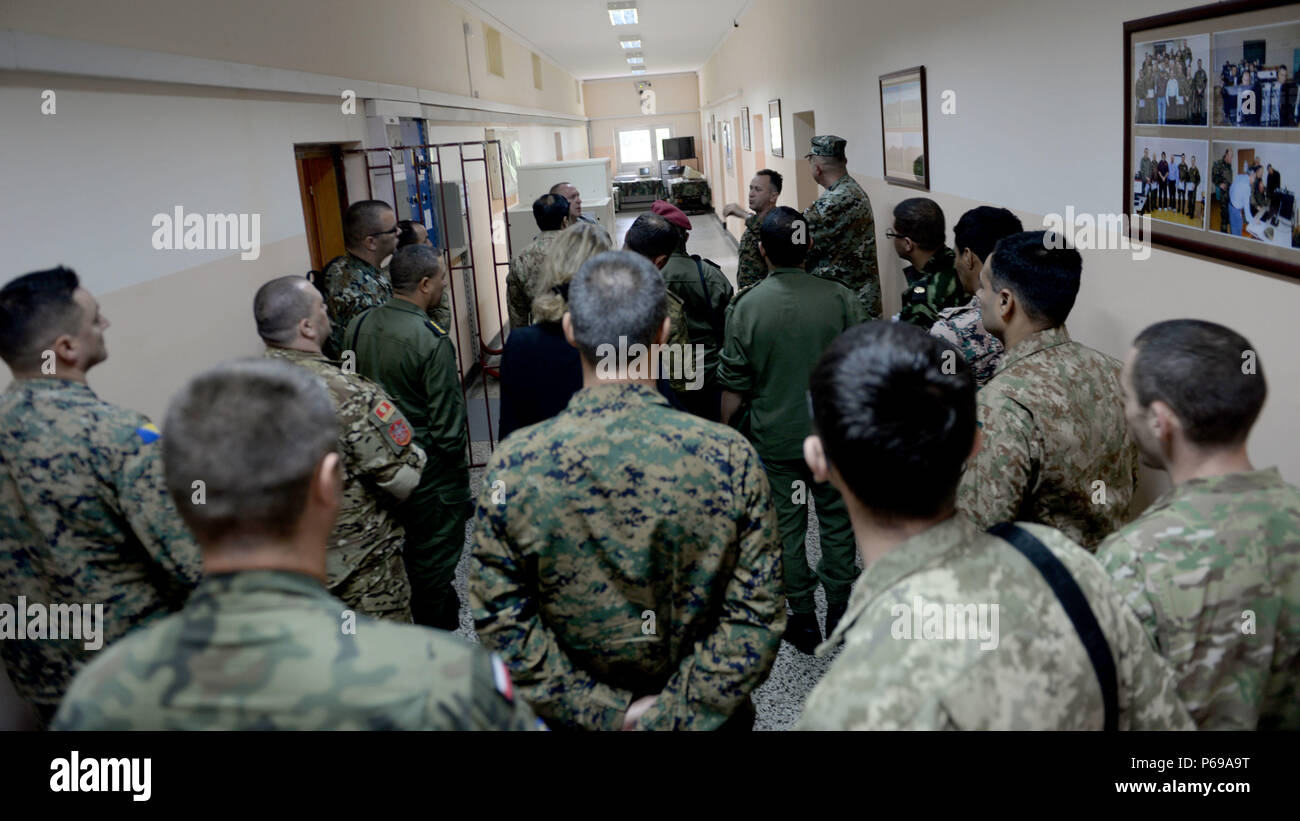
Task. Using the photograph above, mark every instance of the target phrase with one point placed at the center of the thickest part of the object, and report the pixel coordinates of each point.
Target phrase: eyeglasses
(396, 229)
(890, 233)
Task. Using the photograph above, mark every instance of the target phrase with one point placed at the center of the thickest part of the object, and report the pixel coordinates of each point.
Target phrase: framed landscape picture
(904, 140)
(774, 129)
(1212, 131)
(744, 128)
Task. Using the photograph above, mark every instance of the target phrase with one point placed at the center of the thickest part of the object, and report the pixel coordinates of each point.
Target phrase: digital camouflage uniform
(776, 332)
(1220, 174)
(1053, 423)
(1038, 676)
(352, 285)
(936, 287)
(273, 650)
(751, 267)
(843, 234)
(525, 272)
(1193, 566)
(964, 327)
(625, 549)
(704, 307)
(85, 518)
(381, 466)
(412, 358)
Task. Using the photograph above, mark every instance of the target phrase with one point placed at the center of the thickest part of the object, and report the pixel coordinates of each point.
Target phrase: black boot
(834, 612)
(801, 630)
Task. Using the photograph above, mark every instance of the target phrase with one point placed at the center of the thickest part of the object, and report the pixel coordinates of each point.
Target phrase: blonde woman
(540, 370)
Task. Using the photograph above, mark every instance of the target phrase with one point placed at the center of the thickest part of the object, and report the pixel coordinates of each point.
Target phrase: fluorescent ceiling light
(635, 59)
(638, 71)
(622, 14)
(630, 43)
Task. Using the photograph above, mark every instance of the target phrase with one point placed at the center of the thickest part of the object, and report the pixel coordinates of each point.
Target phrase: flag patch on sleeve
(384, 410)
(501, 677)
(148, 433)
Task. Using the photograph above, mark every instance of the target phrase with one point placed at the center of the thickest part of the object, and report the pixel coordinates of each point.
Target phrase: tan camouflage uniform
(624, 549)
(1053, 423)
(964, 327)
(381, 466)
(1212, 570)
(525, 271)
(272, 650)
(1038, 675)
(843, 233)
(85, 518)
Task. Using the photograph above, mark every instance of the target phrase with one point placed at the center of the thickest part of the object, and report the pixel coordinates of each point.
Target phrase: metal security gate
(437, 192)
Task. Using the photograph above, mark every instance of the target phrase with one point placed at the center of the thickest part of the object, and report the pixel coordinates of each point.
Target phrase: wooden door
(322, 206)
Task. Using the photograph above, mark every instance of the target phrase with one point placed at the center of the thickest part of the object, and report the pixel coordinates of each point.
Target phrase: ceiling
(676, 35)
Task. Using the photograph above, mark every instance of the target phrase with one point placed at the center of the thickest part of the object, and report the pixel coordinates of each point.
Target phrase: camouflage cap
(828, 145)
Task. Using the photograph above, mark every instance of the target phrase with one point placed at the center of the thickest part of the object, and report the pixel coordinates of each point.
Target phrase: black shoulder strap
(719, 322)
(1076, 607)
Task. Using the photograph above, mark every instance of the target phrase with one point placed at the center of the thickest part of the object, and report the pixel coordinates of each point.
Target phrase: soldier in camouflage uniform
(552, 214)
(1147, 173)
(1192, 176)
(932, 282)
(625, 555)
(399, 347)
(261, 645)
(1221, 179)
(1199, 81)
(1212, 568)
(975, 235)
(775, 332)
(381, 465)
(84, 514)
(764, 191)
(841, 230)
(354, 281)
(893, 426)
(1055, 450)
(414, 233)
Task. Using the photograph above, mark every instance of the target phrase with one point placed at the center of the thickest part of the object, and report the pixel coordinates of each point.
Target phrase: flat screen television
(679, 148)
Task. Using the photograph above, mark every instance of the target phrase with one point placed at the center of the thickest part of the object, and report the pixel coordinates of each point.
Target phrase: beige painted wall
(1019, 139)
(613, 105)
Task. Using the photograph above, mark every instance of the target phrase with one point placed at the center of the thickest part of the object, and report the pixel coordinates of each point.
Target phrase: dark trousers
(705, 402)
(434, 517)
(836, 570)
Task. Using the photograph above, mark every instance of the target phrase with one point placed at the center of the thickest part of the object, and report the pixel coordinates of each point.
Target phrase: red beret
(671, 213)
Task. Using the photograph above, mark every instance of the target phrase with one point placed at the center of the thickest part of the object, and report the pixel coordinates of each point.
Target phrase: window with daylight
(641, 147)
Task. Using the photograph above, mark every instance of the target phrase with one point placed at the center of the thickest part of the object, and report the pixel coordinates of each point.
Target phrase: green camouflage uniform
(525, 272)
(1206, 554)
(704, 308)
(843, 234)
(1036, 677)
(381, 466)
(1192, 175)
(1053, 424)
(351, 286)
(85, 518)
(1199, 82)
(273, 650)
(1220, 174)
(625, 549)
(776, 332)
(964, 327)
(934, 288)
(751, 267)
(412, 358)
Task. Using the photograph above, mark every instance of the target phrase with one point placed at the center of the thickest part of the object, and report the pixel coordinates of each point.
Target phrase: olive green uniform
(704, 292)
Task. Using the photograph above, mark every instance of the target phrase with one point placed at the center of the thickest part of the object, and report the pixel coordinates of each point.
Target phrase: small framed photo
(774, 128)
(713, 127)
(904, 137)
(744, 129)
(726, 146)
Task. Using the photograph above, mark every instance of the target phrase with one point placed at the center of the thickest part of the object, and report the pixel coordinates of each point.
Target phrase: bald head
(290, 313)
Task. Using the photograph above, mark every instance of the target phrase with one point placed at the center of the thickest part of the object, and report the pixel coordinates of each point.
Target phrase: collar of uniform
(359, 261)
(917, 553)
(405, 305)
(290, 353)
(261, 581)
(1035, 342)
(836, 184)
(776, 271)
(605, 394)
(1228, 483)
(943, 260)
(49, 384)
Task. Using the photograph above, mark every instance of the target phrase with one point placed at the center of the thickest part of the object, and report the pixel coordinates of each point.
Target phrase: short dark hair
(920, 219)
(279, 306)
(780, 233)
(362, 219)
(35, 309)
(979, 229)
(895, 410)
(550, 210)
(1197, 368)
(412, 264)
(650, 235)
(252, 432)
(407, 235)
(616, 294)
(772, 177)
(1041, 270)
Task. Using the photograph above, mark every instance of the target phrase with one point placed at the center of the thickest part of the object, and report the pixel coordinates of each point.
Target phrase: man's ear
(1165, 424)
(665, 327)
(327, 482)
(65, 349)
(1005, 304)
(660, 261)
(305, 328)
(566, 322)
(815, 455)
(426, 285)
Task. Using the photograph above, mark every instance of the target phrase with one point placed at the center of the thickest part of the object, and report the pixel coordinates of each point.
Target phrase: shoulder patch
(501, 678)
(437, 329)
(384, 410)
(148, 433)
(400, 432)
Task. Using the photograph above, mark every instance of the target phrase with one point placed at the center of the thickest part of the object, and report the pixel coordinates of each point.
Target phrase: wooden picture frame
(904, 131)
(1253, 124)
(775, 145)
